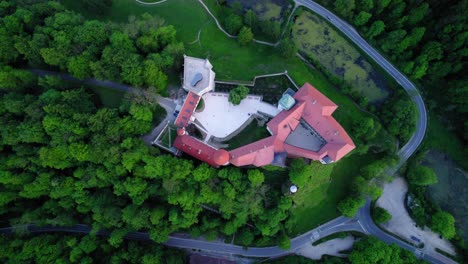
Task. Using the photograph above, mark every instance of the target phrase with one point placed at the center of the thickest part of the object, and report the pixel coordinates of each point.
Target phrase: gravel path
(401, 223)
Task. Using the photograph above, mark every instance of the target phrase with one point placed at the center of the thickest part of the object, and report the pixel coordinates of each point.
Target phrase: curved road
(410, 147)
(339, 224)
(361, 223)
(369, 226)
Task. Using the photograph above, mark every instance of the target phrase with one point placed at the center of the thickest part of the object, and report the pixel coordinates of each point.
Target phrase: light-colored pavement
(331, 247)
(217, 110)
(365, 219)
(401, 223)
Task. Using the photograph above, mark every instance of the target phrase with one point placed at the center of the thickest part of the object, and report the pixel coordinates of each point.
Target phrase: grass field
(187, 16)
(318, 39)
(231, 61)
(268, 10)
(440, 137)
(316, 204)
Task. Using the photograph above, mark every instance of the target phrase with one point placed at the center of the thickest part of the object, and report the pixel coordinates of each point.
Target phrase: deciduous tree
(444, 224)
(421, 175)
(245, 36)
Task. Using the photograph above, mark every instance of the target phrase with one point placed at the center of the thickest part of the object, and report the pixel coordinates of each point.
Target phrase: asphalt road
(366, 220)
(407, 150)
(339, 224)
(362, 222)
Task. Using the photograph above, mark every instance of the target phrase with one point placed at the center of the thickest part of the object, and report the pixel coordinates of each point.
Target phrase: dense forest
(45, 35)
(66, 158)
(64, 161)
(59, 248)
(426, 39)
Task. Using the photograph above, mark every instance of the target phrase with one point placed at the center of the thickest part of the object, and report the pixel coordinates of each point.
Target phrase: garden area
(271, 88)
(265, 18)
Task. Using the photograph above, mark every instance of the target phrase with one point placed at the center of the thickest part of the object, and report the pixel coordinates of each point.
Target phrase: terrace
(222, 119)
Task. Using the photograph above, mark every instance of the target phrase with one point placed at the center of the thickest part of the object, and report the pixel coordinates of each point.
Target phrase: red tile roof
(201, 151)
(191, 102)
(313, 107)
(259, 153)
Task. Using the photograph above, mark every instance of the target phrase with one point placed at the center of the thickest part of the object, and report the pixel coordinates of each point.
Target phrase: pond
(451, 192)
(322, 42)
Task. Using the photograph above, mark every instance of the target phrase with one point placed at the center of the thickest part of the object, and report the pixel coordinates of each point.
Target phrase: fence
(252, 83)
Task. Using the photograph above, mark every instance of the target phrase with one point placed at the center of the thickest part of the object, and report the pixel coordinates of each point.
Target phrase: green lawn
(316, 203)
(440, 137)
(250, 134)
(187, 16)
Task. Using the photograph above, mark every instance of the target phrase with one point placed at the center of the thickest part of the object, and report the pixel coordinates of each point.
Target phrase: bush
(350, 206)
(237, 94)
(233, 24)
(287, 48)
(421, 175)
(444, 224)
(245, 36)
(380, 215)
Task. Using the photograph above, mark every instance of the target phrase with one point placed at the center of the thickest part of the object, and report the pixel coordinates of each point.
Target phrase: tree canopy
(380, 215)
(444, 224)
(237, 94)
(421, 175)
(68, 158)
(371, 250)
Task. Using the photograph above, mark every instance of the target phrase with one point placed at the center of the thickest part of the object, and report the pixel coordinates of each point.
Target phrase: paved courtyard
(221, 118)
